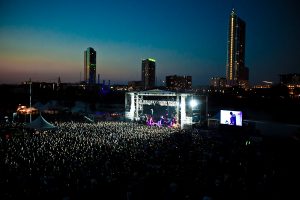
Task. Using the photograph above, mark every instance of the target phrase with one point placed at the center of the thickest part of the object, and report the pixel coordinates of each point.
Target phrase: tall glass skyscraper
(148, 73)
(90, 66)
(236, 71)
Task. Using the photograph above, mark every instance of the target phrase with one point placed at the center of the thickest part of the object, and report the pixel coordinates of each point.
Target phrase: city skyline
(44, 40)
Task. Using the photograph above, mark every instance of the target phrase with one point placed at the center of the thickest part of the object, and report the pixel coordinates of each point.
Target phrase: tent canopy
(41, 124)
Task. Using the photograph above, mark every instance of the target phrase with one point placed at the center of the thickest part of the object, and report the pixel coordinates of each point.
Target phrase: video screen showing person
(230, 117)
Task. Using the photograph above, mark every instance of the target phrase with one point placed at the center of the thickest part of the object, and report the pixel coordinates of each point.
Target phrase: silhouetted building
(148, 73)
(236, 71)
(290, 79)
(292, 82)
(98, 82)
(263, 85)
(179, 82)
(135, 85)
(218, 82)
(90, 66)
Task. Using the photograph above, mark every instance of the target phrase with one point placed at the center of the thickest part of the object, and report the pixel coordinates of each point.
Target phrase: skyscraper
(148, 73)
(236, 71)
(90, 66)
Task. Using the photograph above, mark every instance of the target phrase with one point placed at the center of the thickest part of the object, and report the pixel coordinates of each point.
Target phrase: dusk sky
(43, 40)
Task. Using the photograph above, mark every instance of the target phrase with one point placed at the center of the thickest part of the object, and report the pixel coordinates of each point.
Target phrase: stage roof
(156, 92)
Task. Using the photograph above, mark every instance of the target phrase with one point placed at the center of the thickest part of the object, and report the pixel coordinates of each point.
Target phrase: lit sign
(161, 103)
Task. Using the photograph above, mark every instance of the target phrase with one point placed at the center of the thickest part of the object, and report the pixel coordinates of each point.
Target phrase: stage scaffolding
(185, 113)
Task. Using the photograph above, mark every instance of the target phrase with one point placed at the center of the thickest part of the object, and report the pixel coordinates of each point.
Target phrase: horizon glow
(44, 40)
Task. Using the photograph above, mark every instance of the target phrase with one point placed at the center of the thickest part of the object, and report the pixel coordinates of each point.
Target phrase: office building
(237, 74)
(217, 82)
(292, 82)
(135, 85)
(290, 79)
(148, 73)
(90, 66)
(175, 82)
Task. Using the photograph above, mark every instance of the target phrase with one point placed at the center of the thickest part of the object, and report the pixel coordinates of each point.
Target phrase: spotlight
(193, 103)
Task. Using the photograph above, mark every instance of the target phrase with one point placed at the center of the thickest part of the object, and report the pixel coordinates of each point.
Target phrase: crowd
(129, 161)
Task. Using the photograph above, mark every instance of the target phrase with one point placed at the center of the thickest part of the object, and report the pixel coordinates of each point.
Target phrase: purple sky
(46, 39)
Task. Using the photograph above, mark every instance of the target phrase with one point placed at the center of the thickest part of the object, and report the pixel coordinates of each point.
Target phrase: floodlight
(193, 103)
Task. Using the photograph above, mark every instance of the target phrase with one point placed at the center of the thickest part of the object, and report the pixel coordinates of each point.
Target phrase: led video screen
(231, 117)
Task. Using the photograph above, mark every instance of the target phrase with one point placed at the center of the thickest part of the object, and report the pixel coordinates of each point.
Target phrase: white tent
(41, 124)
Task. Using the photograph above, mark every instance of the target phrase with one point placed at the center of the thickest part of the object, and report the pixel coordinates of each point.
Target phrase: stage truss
(184, 112)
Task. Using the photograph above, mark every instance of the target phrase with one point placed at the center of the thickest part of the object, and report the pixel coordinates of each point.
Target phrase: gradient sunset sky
(43, 40)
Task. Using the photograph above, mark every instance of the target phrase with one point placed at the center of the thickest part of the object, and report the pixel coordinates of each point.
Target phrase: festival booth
(163, 108)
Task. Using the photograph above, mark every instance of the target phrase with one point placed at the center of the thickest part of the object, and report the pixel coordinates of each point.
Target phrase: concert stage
(163, 108)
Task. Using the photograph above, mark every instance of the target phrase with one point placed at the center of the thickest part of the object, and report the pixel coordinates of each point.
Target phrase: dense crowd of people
(129, 161)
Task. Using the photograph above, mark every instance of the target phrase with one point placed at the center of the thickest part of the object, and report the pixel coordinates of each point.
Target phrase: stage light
(193, 103)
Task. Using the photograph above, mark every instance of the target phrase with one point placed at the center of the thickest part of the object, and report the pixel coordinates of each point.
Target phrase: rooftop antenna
(232, 6)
